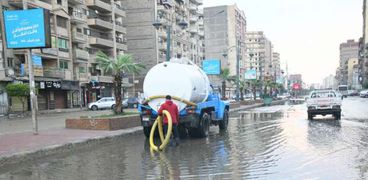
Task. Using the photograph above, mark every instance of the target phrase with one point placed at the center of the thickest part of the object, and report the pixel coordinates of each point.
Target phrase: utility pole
(33, 96)
(237, 70)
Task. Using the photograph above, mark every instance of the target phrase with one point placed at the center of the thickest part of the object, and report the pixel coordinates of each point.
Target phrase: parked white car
(364, 93)
(105, 103)
(324, 102)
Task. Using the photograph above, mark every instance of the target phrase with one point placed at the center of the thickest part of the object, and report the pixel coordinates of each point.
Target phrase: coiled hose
(158, 122)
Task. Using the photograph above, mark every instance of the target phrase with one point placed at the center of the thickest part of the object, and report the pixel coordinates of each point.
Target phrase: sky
(307, 34)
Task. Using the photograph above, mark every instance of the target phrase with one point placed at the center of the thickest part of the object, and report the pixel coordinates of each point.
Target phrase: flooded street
(276, 142)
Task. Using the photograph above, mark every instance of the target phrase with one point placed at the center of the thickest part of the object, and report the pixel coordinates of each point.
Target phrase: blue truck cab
(193, 120)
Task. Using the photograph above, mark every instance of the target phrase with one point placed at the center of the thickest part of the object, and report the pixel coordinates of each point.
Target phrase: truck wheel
(182, 131)
(310, 116)
(193, 132)
(147, 131)
(338, 116)
(204, 126)
(224, 122)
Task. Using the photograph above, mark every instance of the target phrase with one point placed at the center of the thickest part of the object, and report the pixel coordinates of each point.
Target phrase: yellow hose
(173, 97)
(164, 141)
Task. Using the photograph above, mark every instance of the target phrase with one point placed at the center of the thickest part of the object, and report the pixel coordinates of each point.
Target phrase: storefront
(57, 94)
(94, 91)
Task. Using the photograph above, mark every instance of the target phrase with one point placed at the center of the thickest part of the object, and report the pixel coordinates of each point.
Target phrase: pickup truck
(324, 102)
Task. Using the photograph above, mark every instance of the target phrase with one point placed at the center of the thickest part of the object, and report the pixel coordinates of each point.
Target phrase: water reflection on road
(266, 143)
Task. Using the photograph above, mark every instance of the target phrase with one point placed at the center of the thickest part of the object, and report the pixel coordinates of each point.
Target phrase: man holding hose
(174, 112)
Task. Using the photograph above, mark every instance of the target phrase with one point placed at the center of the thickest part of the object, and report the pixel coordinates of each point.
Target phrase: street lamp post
(237, 46)
(157, 24)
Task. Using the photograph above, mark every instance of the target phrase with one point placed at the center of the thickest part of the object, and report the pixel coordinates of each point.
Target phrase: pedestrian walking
(172, 108)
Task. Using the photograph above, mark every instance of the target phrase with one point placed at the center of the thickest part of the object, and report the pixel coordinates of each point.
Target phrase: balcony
(198, 2)
(46, 4)
(82, 77)
(120, 28)
(200, 12)
(120, 11)
(193, 19)
(99, 24)
(121, 46)
(50, 51)
(201, 33)
(79, 37)
(81, 54)
(99, 5)
(106, 79)
(99, 42)
(193, 30)
(76, 2)
(78, 18)
(53, 73)
(193, 9)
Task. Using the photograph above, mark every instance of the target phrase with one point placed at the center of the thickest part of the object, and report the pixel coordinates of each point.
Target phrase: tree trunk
(242, 94)
(254, 92)
(117, 92)
(223, 90)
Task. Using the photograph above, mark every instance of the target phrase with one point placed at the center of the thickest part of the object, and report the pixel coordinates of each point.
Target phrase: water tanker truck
(199, 105)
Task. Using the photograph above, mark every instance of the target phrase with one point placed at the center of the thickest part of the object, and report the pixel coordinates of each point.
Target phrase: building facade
(260, 54)
(225, 35)
(68, 75)
(148, 45)
(352, 65)
(348, 50)
(363, 48)
(329, 82)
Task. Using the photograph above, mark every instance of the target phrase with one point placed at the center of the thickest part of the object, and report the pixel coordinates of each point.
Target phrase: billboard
(280, 80)
(250, 74)
(212, 66)
(27, 28)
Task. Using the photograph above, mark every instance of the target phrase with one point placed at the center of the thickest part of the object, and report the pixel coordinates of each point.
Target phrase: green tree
(255, 84)
(123, 65)
(20, 91)
(225, 76)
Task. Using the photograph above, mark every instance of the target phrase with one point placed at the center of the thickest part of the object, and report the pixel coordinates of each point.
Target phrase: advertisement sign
(212, 66)
(37, 60)
(250, 74)
(27, 28)
(296, 86)
(280, 80)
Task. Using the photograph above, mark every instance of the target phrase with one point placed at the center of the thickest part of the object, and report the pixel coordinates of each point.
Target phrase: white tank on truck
(180, 78)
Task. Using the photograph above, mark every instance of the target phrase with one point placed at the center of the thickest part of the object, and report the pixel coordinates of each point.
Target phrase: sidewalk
(17, 143)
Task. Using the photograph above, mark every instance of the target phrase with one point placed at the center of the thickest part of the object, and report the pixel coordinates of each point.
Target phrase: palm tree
(255, 84)
(242, 87)
(225, 76)
(123, 65)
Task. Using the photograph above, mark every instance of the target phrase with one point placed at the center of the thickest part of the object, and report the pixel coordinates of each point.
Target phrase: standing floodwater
(266, 143)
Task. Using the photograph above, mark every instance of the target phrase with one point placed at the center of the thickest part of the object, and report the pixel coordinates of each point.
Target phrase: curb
(278, 102)
(63, 148)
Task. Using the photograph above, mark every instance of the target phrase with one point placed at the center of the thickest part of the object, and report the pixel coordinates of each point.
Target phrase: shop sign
(50, 85)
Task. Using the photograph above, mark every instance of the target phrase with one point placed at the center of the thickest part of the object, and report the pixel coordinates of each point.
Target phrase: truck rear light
(147, 112)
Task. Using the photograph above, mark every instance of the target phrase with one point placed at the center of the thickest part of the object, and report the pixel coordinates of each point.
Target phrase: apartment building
(348, 50)
(276, 65)
(148, 45)
(68, 76)
(260, 54)
(352, 64)
(225, 28)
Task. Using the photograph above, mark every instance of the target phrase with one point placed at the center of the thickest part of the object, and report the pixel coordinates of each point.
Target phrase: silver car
(105, 103)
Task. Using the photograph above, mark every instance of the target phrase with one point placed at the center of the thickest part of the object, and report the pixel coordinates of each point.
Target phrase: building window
(82, 69)
(79, 30)
(61, 22)
(59, 2)
(86, 31)
(63, 44)
(10, 62)
(63, 65)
